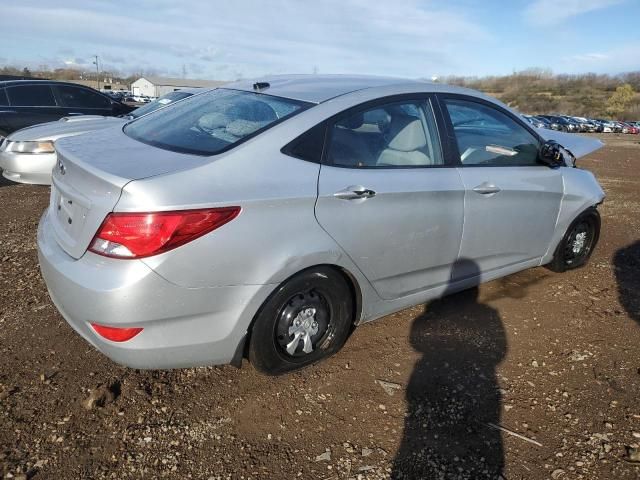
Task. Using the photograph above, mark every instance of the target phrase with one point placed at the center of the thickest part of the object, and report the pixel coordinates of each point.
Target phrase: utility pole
(97, 72)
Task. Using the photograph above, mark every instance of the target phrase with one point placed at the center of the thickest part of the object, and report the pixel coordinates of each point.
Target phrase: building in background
(105, 84)
(158, 86)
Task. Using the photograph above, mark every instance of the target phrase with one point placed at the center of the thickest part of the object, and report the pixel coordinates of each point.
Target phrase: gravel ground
(534, 376)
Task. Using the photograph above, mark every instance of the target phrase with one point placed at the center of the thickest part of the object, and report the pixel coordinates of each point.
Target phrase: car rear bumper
(28, 168)
(183, 327)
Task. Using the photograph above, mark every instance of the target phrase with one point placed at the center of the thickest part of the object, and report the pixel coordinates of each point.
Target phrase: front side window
(488, 137)
(212, 122)
(399, 134)
(31, 96)
(76, 97)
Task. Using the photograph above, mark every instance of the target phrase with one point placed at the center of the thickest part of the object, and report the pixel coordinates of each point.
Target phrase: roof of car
(317, 88)
(191, 90)
(13, 83)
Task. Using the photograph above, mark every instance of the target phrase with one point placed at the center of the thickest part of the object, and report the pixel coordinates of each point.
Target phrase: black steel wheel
(306, 319)
(578, 243)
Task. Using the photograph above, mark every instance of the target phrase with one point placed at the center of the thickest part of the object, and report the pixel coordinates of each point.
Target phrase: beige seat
(407, 143)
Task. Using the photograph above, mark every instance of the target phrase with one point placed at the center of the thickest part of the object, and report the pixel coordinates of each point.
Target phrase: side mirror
(551, 154)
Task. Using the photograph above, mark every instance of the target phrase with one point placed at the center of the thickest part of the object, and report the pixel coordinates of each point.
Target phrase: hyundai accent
(268, 218)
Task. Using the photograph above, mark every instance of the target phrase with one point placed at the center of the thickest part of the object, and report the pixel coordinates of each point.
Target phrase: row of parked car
(127, 97)
(567, 123)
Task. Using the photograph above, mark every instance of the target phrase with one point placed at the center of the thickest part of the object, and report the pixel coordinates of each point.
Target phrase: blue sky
(225, 40)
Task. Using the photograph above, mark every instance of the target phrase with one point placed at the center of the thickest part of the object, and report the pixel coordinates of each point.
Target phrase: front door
(77, 100)
(387, 198)
(511, 201)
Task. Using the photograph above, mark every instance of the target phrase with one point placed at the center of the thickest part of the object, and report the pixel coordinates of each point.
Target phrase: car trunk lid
(88, 179)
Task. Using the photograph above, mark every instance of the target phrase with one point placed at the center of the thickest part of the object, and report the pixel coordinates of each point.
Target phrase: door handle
(486, 188)
(354, 192)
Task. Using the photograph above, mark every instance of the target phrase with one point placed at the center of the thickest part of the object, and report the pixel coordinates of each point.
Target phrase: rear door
(83, 101)
(387, 197)
(31, 104)
(511, 201)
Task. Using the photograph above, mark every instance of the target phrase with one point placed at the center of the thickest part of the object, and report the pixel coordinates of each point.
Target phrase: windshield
(212, 122)
(163, 101)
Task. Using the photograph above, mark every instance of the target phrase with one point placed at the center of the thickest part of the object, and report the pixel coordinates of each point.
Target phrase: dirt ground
(554, 358)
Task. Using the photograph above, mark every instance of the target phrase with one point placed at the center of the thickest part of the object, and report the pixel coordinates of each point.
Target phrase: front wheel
(578, 243)
(306, 319)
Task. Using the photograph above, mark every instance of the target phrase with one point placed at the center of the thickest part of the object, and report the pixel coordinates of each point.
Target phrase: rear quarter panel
(275, 236)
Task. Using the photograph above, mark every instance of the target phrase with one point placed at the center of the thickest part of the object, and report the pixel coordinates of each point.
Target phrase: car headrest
(406, 133)
(352, 122)
(214, 120)
(243, 128)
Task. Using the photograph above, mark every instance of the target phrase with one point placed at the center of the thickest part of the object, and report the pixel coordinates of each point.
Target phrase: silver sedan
(268, 218)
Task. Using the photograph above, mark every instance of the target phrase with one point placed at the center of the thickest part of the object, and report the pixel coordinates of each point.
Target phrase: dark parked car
(559, 123)
(29, 102)
(546, 123)
(536, 122)
(573, 125)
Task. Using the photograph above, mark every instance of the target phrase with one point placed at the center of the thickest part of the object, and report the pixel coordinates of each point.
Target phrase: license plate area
(68, 211)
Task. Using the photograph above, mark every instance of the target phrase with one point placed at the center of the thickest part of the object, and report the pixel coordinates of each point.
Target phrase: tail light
(116, 334)
(138, 235)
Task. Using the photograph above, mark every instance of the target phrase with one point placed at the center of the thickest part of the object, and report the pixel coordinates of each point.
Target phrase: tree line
(539, 91)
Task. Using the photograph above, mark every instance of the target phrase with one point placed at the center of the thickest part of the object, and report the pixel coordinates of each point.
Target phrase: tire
(578, 242)
(308, 318)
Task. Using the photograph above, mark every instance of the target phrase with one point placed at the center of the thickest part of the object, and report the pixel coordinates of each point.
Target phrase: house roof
(182, 82)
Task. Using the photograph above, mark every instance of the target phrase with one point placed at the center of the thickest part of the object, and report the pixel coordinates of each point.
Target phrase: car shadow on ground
(453, 395)
(626, 262)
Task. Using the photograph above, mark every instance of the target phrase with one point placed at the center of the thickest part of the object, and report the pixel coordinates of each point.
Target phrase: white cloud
(249, 38)
(589, 57)
(619, 60)
(554, 12)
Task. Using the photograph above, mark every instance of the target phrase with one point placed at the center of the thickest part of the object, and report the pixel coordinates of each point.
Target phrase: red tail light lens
(137, 235)
(116, 334)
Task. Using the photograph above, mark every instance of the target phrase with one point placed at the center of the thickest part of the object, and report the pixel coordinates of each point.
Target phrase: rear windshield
(212, 122)
(163, 101)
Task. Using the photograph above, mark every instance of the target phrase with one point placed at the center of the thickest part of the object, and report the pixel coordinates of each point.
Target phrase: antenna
(261, 85)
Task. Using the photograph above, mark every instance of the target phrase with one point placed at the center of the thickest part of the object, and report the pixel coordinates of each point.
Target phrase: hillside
(539, 92)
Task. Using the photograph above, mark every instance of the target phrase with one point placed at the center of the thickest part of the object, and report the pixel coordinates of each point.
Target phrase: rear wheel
(578, 243)
(306, 319)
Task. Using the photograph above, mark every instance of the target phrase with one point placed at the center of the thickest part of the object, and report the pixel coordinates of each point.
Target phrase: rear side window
(212, 122)
(309, 145)
(399, 134)
(77, 97)
(31, 96)
(3, 98)
(488, 137)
